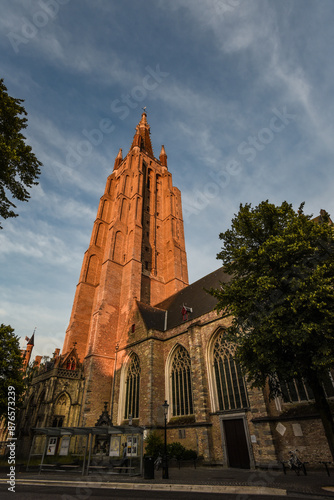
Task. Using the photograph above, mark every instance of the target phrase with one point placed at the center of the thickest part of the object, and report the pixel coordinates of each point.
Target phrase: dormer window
(71, 363)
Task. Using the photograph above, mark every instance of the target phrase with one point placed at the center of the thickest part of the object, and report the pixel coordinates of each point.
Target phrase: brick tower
(136, 253)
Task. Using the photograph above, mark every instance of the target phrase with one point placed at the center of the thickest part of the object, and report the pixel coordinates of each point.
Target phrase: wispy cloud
(229, 64)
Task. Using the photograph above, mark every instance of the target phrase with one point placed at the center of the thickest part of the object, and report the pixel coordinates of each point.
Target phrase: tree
(11, 374)
(19, 167)
(154, 445)
(281, 298)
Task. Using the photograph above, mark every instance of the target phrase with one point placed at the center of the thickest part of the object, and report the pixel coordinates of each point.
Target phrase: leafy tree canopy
(11, 374)
(19, 167)
(280, 295)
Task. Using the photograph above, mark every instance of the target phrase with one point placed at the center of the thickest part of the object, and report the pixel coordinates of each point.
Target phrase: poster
(52, 446)
(115, 444)
(132, 445)
(64, 446)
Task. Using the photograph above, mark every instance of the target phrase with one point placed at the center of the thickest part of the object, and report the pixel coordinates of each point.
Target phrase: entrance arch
(236, 441)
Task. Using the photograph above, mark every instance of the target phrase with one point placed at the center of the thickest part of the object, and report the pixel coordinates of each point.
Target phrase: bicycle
(294, 463)
(158, 462)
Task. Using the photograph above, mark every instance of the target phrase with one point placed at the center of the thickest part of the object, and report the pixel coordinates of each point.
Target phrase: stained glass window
(182, 399)
(231, 388)
(132, 388)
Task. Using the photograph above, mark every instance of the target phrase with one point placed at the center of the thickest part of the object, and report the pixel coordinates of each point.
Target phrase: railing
(56, 372)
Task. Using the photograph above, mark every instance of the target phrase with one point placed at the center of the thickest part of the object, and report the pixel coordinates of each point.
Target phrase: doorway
(236, 444)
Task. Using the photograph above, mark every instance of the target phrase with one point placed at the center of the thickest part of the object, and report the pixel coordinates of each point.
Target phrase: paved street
(69, 493)
(200, 483)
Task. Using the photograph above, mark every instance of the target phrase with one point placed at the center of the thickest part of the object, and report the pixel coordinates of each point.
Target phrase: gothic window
(126, 185)
(61, 410)
(91, 274)
(71, 364)
(182, 399)
(104, 210)
(58, 421)
(298, 390)
(230, 384)
(132, 388)
(124, 209)
(118, 246)
(99, 235)
(62, 400)
(137, 207)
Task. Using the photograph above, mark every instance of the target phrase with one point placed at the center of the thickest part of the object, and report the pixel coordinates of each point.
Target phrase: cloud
(229, 63)
(40, 309)
(34, 244)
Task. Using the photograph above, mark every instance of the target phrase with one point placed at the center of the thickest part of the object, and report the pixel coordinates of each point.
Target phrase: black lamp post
(165, 459)
(113, 385)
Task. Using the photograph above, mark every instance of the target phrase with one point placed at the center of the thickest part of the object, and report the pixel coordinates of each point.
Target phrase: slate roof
(193, 296)
(153, 317)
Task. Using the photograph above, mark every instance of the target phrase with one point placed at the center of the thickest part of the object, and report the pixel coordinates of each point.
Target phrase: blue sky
(240, 92)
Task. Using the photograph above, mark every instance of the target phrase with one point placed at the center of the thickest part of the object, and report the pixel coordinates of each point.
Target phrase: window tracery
(230, 384)
(182, 399)
(132, 388)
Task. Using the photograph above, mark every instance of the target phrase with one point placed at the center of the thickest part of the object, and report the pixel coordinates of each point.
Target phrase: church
(140, 334)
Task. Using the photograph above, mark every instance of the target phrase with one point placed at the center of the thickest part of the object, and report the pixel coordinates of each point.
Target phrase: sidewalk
(204, 479)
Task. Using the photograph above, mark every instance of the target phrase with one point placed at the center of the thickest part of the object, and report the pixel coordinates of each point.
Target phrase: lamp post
(165, 459)
(113, 385)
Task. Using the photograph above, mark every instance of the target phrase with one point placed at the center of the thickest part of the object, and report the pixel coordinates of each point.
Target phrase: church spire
(163, 156)
(142, 137)
(118, 159)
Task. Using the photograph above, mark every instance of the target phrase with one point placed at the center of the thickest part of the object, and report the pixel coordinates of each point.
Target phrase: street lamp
(165, 459)
(113, 385)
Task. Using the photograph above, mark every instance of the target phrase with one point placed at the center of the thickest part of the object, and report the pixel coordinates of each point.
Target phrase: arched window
(99, 235)
(118, 247)
(124, 209)
(104, 210)
(92, 268)
(230, 384)
(71, 364)
(182, 399)
(132, 388)
(61, 410)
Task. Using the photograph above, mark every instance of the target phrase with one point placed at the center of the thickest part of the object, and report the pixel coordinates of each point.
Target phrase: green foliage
(280, 294)
(176, 450)
(11, 374)
(154, 445)
(19, 167)
(189, 454)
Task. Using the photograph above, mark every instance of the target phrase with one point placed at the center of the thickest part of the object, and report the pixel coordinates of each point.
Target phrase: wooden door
(236, 443)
